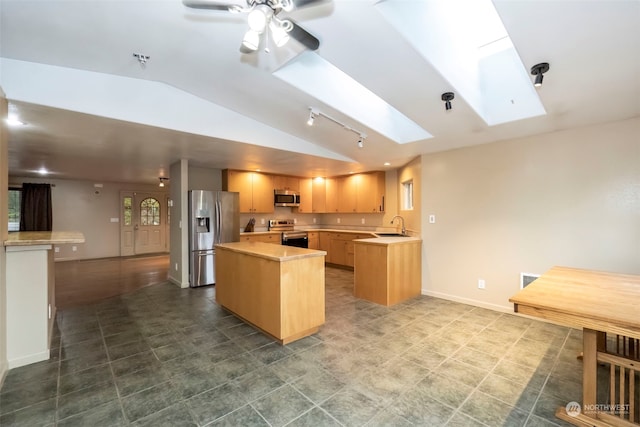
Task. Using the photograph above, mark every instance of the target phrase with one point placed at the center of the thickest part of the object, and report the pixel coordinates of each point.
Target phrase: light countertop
(271, 251)
(388, 240)
(30, 238)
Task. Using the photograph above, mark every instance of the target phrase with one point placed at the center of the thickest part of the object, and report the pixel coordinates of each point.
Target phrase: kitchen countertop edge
(271, 251)
(31, 238)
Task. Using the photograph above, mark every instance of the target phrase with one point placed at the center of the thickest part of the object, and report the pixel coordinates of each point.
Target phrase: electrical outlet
(176, 266)
(57, 249)
(295, 220)
(481, 284)
(362, 220)
(314, 220)
(338, 220)
(262, 221)
(74, 248)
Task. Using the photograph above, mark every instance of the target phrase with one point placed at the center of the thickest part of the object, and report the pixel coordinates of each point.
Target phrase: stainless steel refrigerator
(214, 217)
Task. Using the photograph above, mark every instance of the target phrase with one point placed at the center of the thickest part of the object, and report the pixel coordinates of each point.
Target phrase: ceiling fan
(263, 20)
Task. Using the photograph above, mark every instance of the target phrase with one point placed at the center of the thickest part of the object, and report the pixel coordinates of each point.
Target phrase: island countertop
(388, 240)
(30, 238)
(271, 251)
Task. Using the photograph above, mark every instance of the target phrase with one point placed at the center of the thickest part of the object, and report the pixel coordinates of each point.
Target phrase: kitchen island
(387, 270)
(278, 289)
(31, 293)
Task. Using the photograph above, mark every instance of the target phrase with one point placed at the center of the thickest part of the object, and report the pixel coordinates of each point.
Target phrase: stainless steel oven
(295, 238)
(290, 237)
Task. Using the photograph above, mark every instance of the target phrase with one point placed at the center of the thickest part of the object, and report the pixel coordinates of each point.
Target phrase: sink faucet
(404, 230)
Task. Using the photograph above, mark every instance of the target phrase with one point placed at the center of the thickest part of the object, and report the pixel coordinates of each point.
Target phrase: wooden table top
(608, 302)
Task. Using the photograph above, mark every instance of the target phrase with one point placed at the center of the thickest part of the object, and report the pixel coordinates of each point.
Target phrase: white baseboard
(178, 282)
(29, 359)
(468, 301)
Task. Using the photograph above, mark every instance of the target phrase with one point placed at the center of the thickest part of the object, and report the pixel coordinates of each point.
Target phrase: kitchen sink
(391, 235)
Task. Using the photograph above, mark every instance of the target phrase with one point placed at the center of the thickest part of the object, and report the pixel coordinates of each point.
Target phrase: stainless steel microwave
(286, 198)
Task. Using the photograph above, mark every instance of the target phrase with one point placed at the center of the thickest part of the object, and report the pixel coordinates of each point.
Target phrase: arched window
(150, 212)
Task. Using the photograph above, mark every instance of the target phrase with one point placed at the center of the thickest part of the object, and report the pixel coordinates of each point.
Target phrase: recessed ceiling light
(43, 171)
(387, 164)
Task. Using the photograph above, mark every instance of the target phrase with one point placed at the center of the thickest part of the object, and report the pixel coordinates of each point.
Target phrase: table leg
(589, 370)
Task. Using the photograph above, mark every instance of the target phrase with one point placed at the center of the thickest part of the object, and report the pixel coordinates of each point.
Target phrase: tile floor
(164, 356)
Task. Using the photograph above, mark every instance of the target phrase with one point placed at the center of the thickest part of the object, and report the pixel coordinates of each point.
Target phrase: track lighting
(162, 180)
(313, 113)
(538, 70)
(312, 116)
(447, 97)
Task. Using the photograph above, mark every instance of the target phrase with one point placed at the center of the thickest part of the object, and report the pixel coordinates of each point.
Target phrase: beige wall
(4, 171)
(179, 250)
(565, 198)
(81, 206)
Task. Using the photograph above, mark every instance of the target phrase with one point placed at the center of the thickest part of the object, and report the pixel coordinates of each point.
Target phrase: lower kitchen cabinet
(339, 246)
(262, 237)
(313, 239)
(387, 273)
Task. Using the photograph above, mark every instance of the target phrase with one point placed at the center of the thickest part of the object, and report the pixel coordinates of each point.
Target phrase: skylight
(466, 41)
(312, 74)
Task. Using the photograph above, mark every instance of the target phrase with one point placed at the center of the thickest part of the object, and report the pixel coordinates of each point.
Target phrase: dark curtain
(35, 208)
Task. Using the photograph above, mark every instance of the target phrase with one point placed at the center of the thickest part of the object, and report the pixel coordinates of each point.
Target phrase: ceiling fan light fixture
(259, 17)
(279, 34)
(251, 40)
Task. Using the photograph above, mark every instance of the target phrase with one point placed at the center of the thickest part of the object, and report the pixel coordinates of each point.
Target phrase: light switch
(432, 219)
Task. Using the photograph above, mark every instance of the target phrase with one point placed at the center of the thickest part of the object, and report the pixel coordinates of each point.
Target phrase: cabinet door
(331, 195)
(306, 195)
(314, 240)
(283, 182)
(241, 182)
(347, 190)
(319, 202)
(370, 192)
(262, 192)
(338, 251)
(325, 243)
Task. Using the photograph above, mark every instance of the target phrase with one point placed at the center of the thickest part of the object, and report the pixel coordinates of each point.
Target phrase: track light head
(162, 180)
(361, 142)
(312, 116)
(538, 70)
(447, 97)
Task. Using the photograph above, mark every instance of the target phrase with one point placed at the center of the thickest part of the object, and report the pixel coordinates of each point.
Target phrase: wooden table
(599, 303)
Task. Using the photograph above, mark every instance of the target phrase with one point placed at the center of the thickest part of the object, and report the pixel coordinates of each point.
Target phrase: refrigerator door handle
(218, 220)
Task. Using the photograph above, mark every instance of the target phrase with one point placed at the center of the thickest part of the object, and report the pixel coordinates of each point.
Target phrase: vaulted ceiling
(93, 111)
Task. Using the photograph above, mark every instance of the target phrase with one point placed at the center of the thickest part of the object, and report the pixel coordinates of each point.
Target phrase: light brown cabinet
(387, 274)
(285, 182)
(331, 195)
(256, 190)
(306, 196)
(263, 237)
(339, 246)
(314, 239)
(319, 195)
(361, 193)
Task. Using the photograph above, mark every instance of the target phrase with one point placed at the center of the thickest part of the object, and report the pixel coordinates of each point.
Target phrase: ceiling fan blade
(303, 36)
(304, 3)
(209, 6)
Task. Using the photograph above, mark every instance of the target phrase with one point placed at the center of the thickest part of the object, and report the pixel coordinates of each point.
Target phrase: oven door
(298, 240)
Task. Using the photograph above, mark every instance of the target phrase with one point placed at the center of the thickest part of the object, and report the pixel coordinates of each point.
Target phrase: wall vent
(527, 278)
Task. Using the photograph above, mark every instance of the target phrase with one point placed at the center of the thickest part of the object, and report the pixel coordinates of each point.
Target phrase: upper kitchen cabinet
(331, 195)
(361, 193)
(370, 192)
(319, 198)
(256, 190)
(283, 182)
(306, 195)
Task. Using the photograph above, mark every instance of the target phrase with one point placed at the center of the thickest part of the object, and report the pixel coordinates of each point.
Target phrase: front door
(143, 220)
